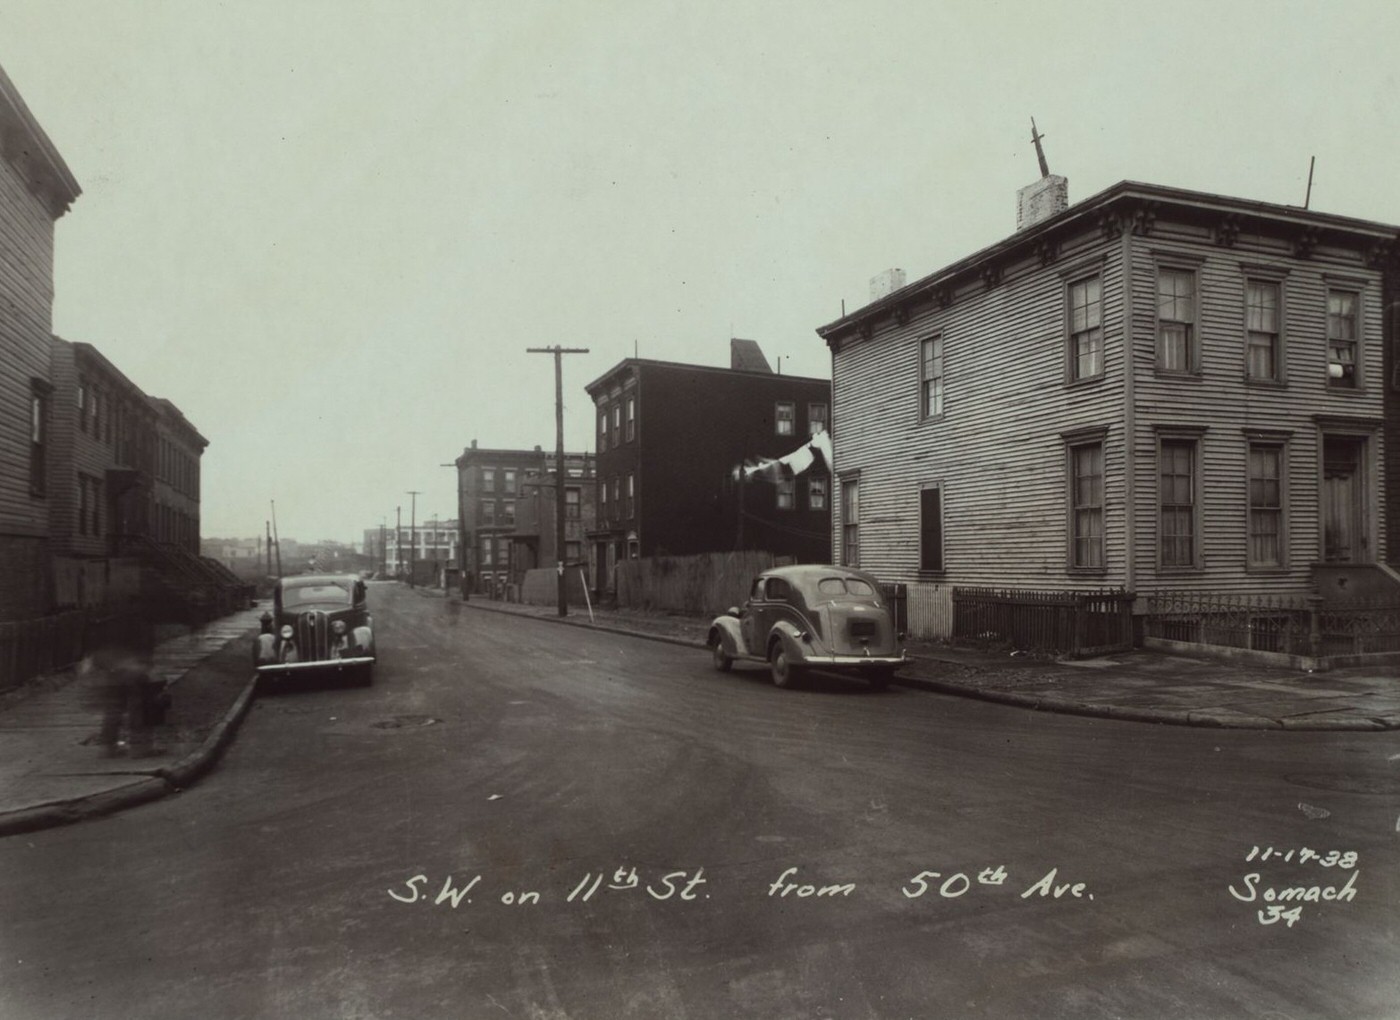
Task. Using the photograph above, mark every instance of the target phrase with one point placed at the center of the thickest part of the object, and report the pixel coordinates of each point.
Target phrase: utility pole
(398, 542)
(412, 534)
(383, 552)
(559, 509)
(276, 539)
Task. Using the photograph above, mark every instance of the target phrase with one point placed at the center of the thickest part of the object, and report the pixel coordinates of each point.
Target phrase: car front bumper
(285, 667)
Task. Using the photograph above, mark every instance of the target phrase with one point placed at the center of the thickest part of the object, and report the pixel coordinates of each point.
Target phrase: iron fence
(1076, 623)
(1292, 625)
(29, 648)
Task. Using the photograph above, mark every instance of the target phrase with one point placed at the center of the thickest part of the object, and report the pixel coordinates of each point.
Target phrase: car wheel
(785, 674)
(366, 676)
(722, 660)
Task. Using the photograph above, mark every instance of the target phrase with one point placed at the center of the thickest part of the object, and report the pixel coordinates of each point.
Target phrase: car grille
(313, 636)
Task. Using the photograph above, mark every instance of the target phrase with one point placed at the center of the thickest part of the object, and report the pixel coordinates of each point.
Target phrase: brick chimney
(886, 283)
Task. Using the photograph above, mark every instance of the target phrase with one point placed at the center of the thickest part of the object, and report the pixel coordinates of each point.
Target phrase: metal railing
(1289, 624)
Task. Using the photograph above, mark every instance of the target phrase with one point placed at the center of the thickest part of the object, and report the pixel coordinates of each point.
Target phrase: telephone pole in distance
(559, 474)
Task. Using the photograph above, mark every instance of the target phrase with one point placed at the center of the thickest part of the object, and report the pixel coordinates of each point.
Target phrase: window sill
(1267, 570)
(1177, 571)
(1087, 571)
(1346, 391)
(1195, 375)
(1266, 384)
(1088, 380)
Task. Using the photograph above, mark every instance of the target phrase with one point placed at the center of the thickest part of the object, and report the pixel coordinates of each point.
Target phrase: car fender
(730, 636)
(788, 633)
(364, 638)
(264, 650)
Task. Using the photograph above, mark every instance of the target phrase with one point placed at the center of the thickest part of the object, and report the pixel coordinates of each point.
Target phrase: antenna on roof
(1312, 160)
(1039, 152)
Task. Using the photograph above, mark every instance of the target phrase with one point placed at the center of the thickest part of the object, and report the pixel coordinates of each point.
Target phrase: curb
(1033, 702)
(161, 783)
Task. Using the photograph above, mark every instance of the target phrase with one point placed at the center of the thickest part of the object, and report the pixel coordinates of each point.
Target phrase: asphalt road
(526, 820)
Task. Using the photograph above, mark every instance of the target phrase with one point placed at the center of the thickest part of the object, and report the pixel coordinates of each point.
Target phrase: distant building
(534, 542)
(672, 439)
(36, 188)
(489, 490)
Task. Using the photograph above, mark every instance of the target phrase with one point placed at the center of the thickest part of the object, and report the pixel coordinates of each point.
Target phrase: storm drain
(1343, 782)
(405, 722)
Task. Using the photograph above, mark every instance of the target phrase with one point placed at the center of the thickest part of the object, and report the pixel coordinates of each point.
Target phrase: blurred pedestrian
(128, 694)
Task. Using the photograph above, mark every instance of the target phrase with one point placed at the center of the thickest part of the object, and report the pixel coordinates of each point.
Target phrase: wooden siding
(1222, 401)
(997, 451)
(26, 309)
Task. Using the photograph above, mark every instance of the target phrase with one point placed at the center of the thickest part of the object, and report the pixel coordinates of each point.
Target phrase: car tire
(785, 674)
(881, 681)
(721, 659)
(366, 677)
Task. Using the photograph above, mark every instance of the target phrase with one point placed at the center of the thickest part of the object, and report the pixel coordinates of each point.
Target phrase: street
(521, 819)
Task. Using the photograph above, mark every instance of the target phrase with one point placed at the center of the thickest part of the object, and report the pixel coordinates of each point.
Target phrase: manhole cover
(1342, 782)
(404, 722)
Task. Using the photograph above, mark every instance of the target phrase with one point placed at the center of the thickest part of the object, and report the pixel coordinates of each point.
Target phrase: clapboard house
(672, 440)
(36, 188)
(1153, 389)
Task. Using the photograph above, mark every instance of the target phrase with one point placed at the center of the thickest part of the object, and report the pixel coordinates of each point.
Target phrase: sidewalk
(50, 774)
(51, 769)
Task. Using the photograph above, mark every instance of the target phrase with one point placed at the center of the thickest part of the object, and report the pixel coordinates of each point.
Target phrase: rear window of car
(308, 593)
(844, 586)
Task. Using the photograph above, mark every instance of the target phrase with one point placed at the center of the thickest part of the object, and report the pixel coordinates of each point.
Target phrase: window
(488, 511)
(817, 419)
(931, 528)
(617, 496)
(1342, 338)
(631, 418)
(783, 415)
(617, 424)
(510, 480)
(38, 435)
(602, 500)
(1086, 505)
(507, 511)
(1265, 505)
(82, 405)
(1263, 321)
(83, 503)
(573, 552)
(787, 493)
(931, 376)
(1176, 320)
(1176, 462)
(602, 427)
(850, 522)
(631, 495)
(816, 493)
(572, 499)
(488, 479)
(488, 548)
(1086, 327)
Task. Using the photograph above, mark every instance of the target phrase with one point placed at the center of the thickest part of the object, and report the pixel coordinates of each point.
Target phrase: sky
(328, 230)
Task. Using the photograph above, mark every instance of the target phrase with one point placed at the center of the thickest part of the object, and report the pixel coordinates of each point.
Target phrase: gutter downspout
(1129, 415)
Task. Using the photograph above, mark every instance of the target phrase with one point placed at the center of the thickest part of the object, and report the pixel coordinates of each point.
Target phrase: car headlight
(338, 628)
(286, 632)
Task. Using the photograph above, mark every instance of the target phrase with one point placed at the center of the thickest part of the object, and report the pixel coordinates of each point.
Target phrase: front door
(1343, 503)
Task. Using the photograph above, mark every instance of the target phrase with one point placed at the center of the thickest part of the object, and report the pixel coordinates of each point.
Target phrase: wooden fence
(1075, 623)
(29, 648)
(696, 585)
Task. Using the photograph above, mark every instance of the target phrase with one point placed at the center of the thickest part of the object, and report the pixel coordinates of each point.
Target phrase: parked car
(804, 617)
(318, 622)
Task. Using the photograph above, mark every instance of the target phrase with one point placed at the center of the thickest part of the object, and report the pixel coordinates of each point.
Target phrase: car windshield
(305, 594)
(844, 586)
